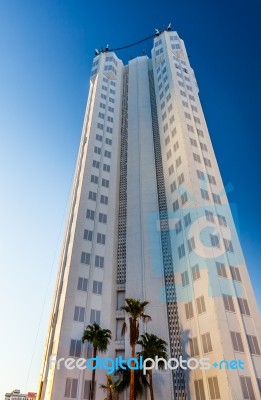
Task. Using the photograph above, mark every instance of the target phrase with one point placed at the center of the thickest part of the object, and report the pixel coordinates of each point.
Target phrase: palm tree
(111, 388)
(100, 339)
(135, 308)
(123, 382)
(152, 347)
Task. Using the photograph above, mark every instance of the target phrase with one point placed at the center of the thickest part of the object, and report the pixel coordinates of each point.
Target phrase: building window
(187, 115)
(204, 194)
(75, 348)
(173, 187)
(213, 388)
(175, 205)
(206, 343)
(100, 238)
(200, 132)
(203, 147)
(108, 141)
(181, 178)
(95, 316)
(222, 220)
(90, 214)
(187, 220)
(235, 273)
(101, 115)
(109, 129)
(71, 388)
(212, 179)
(184, 198)
(193, 347)
(178, 227)
(173, 132)
(181, 251)
(221, 270)
(247, 388)
(107, 154)
(214, 239)
(92, 196)
(228, 245)
(85, 258)
(237, 341)
(94, 179)
(96, 164)
(207, 162)
(191, 97)
(201, 175)
(87, 235)
(190, 128)
(97, 150)
(105, 183)
(99, 137)
(253, 345)
(209, 216)
(79, 313)
(199, 389)
(103, 218)
(165, 127)
(102, 105)
(201, 307)
(82, 284)
(169, 154)
(167, 140)
(176, 146)
(185, 278)
(171, 170)
(228, 303)
(104, 199)
(216, 198)
(106, 167)
(185, 103)
(100, 126)
(97, 287)
(196, 158)
(178, 161)
(193, 142)
(191, 244)
(243, 305)
(189, 310)
(99, 261)
(195, 272)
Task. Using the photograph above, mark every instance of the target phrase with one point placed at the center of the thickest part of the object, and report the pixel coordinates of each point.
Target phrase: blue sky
(46, 50)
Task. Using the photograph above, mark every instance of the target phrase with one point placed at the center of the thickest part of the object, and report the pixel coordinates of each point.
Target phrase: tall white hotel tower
(149, 219)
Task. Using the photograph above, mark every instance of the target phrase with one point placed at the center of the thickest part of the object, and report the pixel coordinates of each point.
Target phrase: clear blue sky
(46, 50)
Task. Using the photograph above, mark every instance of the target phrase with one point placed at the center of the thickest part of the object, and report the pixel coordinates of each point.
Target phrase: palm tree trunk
(151, 385)
(91, 396)
(132, 388)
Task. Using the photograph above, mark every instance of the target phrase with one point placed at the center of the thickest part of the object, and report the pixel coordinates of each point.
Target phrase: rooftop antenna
(169, 27)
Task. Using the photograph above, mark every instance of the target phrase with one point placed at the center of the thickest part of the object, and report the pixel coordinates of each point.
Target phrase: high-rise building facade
(149, 219)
